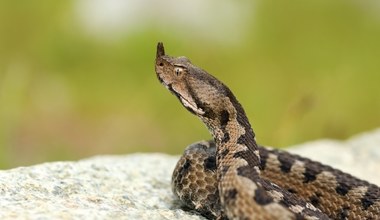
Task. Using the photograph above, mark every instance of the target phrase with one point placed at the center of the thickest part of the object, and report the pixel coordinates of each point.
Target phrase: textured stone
(137, 186)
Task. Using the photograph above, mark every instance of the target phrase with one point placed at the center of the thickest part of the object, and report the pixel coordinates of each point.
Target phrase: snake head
(174, 74)
(199, 92)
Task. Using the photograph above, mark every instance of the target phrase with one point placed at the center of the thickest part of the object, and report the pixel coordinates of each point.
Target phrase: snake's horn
(160, 50)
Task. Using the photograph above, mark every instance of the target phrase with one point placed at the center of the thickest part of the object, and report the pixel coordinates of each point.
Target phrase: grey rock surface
(137, 186)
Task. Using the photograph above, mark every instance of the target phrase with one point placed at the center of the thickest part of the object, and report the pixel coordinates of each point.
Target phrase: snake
(233, 177)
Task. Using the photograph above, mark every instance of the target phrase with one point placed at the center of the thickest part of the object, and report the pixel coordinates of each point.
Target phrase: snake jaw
(188, 103)
(191, 106)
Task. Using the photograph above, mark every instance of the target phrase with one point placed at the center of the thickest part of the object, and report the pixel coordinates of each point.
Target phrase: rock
(137, 186)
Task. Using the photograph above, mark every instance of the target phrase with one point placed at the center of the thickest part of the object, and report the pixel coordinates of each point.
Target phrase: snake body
(232, 177)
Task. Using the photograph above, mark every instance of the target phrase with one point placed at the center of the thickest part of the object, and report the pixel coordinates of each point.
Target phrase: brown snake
(232, 177)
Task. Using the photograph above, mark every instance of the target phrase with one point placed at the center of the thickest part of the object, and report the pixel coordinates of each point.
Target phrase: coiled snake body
(233, 177)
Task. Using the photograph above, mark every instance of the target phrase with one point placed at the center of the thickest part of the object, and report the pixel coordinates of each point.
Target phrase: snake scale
(232, 177)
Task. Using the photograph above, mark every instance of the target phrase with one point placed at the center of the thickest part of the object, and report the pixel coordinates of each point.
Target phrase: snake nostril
(161, 64)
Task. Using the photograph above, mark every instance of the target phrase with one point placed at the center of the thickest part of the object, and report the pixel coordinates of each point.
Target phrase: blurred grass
(302, 71)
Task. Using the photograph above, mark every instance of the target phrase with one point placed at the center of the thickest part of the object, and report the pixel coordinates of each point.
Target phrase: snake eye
(178, 71)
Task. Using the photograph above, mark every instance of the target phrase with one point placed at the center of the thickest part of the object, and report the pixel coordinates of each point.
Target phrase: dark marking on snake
(261, 197)
(263, 158)
(247, 171)
(314, 200)
(366, 202)
(231, 194)
(210, 163)
(291, 190)
(342, 189)
(224, 118)
(286, 162)
(226, 138)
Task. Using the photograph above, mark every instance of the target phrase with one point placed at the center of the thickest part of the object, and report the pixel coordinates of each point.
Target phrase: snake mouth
(190, 105)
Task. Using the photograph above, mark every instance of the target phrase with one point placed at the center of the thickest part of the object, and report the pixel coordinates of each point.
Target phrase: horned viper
(233, 177)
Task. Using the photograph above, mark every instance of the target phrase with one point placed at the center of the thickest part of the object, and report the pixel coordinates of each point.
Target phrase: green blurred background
(77, 77)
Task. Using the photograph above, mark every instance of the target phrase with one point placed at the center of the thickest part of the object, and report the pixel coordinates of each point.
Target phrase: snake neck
(234, 137)
(237, 156)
